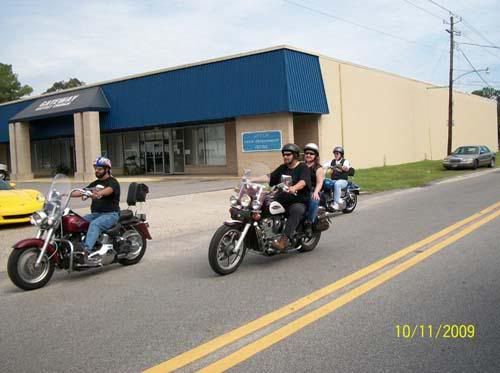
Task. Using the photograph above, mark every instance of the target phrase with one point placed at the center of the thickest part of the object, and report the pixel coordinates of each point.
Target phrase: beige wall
(330, 125)
(305, 129)
(231, 153)
(283, 122)
(386, 119)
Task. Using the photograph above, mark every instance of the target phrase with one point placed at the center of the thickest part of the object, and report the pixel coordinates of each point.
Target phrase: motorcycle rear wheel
(310, 244)
(351, 203)
(22, 271)
(139, 245)
(223, 241)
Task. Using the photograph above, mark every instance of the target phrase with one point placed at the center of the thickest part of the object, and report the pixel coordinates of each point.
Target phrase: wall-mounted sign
(261, 141)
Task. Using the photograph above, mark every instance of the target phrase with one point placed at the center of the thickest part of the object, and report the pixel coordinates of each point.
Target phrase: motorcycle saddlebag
(320, 225)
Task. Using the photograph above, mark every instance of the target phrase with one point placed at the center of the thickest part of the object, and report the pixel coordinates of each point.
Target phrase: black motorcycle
(256, 221)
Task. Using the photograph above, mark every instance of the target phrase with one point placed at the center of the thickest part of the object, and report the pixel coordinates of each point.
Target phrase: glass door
(154, 157)
(178, 156)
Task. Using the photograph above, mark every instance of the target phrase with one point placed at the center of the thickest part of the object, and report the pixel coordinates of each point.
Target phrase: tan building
(222, 115)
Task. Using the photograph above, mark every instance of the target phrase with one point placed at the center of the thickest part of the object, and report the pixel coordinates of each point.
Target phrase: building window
(205, 145)
(112, 148)
(131, 153)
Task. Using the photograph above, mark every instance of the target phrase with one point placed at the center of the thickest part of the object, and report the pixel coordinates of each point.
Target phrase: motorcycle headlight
(255, 205)
(233, 201)
(245, 200)
(38, 218)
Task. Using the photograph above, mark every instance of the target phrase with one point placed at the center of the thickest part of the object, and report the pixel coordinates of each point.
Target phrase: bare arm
(295, 188)
(320, 176)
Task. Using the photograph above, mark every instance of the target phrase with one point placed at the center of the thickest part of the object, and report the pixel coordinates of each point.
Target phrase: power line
(473, 68)
(356, 24)
(467, 24)
(423, 9)
(481, 36)
(443, 8)
(486, 50)
(479, 45)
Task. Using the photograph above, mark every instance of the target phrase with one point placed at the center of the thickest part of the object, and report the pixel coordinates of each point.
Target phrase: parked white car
(3, 171)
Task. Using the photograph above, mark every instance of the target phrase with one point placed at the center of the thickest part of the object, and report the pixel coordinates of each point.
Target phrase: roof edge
(167, 69)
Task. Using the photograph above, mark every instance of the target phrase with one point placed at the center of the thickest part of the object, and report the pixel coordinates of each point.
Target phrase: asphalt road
(128, 319)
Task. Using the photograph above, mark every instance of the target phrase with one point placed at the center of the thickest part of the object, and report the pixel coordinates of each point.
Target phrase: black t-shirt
(300, 172)
(109, 203)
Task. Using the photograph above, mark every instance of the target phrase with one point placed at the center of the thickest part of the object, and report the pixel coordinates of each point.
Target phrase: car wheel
(492, 163)
(475, 164)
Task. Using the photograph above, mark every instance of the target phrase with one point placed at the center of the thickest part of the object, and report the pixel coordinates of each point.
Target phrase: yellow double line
(475, 221)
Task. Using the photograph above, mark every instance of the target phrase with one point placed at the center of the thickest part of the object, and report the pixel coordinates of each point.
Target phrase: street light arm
(470, 72)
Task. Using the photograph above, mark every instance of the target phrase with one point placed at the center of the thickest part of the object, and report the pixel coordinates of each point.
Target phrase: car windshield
(467, 150)
(4, 185)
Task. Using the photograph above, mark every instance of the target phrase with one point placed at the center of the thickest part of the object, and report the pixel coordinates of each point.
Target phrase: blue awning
(91, 99)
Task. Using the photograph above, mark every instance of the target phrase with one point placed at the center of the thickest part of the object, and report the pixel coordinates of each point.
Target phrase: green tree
(10, 88)
(59, 86)
(493, 94)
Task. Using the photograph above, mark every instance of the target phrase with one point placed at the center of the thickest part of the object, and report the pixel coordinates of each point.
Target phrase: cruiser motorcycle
(256, 221)
(32, 261)
(349, 194)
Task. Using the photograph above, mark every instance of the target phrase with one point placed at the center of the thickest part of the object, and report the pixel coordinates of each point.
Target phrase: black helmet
(339, 149)
(313, 147)
(291, 148)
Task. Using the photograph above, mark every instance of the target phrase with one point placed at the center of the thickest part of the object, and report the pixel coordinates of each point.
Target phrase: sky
(48, 41)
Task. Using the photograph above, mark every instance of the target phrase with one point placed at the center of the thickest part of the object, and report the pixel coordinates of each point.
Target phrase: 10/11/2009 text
(445, 331)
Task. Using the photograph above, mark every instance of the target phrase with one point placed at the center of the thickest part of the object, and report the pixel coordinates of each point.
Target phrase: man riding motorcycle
(340, 174)
(297, 197)
(105, 207)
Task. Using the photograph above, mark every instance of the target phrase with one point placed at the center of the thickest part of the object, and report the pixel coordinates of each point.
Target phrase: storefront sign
(262, 141)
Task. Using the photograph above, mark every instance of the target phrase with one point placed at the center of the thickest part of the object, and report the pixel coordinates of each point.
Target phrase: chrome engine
(272, 227)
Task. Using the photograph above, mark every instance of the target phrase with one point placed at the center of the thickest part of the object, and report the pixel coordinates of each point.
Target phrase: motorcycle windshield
(253, 179)
(58, 195)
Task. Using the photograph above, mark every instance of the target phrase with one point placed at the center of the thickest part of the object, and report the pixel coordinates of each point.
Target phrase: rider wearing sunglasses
(311, 158)
(298, 194)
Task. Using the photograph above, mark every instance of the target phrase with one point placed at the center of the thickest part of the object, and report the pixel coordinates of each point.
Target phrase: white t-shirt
(329, 163)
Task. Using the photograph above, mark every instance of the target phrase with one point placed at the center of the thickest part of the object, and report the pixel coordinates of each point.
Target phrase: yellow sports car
(16, 206)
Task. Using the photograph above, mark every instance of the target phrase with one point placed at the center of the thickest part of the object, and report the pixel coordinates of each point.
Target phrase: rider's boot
(281, 243)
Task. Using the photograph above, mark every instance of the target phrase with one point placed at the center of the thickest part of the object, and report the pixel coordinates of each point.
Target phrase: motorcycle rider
(340, 174)
(105, 207)
(311, 157)
(297, 197)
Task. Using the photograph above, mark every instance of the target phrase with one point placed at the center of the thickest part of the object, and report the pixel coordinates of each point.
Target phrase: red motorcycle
(32, 261)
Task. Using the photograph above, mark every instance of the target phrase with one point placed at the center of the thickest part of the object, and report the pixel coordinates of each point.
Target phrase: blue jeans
(99, 222)
(337, 189)
(312, 210)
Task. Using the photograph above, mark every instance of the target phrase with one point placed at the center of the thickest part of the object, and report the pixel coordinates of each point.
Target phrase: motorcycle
(349, 195)
(257, 219)
(32, 261)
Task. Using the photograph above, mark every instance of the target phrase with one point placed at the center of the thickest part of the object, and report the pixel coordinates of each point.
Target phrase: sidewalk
(168, 217)
(145, 178)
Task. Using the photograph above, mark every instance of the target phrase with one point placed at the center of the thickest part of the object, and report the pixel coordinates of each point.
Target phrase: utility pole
(450, 87)
(450, 91)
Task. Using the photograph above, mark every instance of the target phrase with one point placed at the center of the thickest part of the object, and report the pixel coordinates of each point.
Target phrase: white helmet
(312, 146)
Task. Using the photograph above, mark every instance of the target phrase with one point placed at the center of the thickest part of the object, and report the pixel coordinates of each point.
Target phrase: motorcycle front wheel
(220, 252)
(22, 271)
